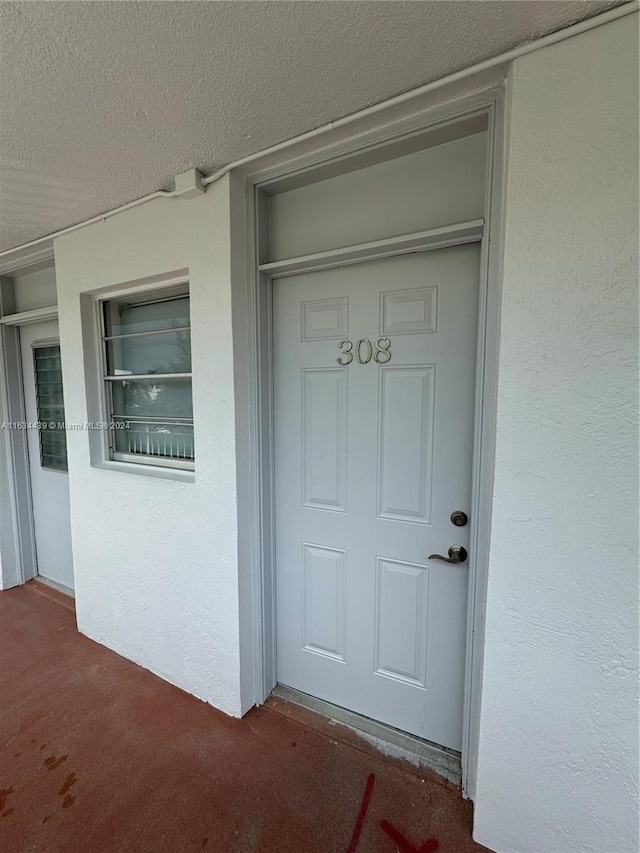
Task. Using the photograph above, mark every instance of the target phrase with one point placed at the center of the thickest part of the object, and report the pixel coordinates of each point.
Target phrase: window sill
(177, 475)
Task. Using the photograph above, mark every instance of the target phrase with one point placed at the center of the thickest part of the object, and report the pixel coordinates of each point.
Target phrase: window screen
(147, 345)
(50, 407)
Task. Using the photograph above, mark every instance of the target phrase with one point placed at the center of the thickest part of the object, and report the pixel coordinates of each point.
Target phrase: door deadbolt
(459, 518)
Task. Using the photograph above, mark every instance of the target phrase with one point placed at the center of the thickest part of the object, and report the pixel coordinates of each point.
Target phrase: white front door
(42, 378)
(374, 376)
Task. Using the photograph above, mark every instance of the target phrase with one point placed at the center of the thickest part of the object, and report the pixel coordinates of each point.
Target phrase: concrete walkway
(96, 754)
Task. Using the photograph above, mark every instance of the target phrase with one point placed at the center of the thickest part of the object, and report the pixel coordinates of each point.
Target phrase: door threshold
(392, 742)
(59, 587)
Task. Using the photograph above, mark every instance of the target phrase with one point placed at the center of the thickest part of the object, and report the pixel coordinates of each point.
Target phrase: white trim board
(435, 238)
(37, 315)
(260, 416)
(21, 259)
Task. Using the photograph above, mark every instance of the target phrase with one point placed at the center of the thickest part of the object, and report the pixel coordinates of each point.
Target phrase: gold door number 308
(364, 351)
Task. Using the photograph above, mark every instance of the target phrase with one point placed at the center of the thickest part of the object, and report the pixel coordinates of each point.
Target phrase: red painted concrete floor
(96, 754)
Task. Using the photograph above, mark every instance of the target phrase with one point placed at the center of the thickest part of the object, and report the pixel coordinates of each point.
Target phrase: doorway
(429, 183)
(47, 451)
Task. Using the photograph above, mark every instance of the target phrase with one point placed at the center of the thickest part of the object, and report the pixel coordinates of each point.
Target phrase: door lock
(457, 554)
(459, 518)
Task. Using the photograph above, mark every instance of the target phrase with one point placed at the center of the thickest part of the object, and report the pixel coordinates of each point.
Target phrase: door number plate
(364, 351)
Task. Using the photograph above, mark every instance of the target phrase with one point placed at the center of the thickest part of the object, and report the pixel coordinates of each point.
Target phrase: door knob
(457, 554)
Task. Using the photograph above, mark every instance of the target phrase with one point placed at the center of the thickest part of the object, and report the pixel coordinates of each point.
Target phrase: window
(147, 352)
(50, 407)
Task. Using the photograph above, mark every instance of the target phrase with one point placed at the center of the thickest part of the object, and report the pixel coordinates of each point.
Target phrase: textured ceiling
(102, 102)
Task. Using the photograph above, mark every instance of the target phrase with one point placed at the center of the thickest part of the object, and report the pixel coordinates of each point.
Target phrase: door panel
(401, 629)
(42, 380)
(405, 443)
(323, 592)
(373, 442)
(324, 438)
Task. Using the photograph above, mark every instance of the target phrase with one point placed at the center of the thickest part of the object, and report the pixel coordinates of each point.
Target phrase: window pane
(52, 351)
(170, 441)
(159, 398)
(47, 358)
(48, 390)
(122, 318)
(53, 411)
(54, 440)
(163, 353)
(57, 462)
(50, 407)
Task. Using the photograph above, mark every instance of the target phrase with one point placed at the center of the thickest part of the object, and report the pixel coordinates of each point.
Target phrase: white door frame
(260, 370)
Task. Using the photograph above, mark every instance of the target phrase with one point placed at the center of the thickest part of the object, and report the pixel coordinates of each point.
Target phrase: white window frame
(161, 294)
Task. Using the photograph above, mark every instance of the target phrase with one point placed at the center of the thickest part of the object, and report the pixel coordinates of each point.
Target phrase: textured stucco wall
(558, 757)
(156, 562)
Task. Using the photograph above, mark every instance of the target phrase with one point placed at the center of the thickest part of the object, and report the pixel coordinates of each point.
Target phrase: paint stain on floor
(69, 782)
(52, 763)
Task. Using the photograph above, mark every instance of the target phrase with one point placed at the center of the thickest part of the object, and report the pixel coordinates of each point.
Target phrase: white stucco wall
(156, 562)
(558, 764)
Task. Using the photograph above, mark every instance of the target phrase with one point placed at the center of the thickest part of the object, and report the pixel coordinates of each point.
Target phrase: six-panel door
(373, 403)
